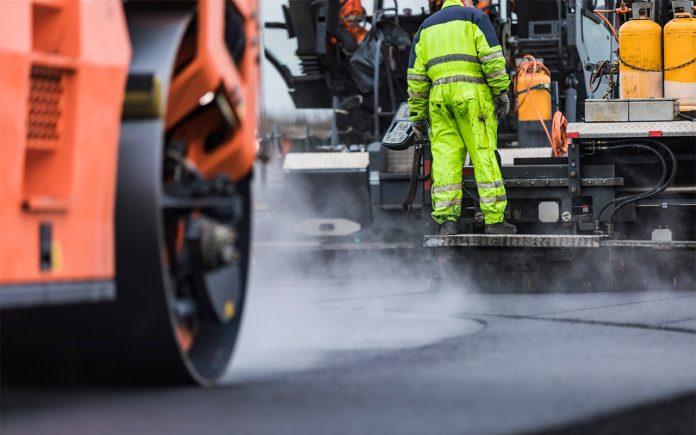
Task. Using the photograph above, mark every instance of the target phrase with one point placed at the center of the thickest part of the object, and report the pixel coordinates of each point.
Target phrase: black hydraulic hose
(623, 198)
(471, 195)
(659, 187)
(631, 199)
(638, 196)
(421, 164)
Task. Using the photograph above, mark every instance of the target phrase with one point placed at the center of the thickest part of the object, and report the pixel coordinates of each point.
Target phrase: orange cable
(527, 59)
(608, 23)
(559, 136)
(543, 124)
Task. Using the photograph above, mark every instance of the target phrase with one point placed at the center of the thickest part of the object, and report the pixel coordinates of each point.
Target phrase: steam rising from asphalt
(310, 309)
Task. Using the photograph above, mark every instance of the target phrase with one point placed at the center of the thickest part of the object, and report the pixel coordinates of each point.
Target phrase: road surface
(375, 351)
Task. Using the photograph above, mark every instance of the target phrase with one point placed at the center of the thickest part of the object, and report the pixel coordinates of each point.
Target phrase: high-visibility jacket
(456, 68)
(457, 44)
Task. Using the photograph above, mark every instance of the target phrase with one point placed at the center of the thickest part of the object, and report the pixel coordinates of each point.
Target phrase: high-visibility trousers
(461, 122)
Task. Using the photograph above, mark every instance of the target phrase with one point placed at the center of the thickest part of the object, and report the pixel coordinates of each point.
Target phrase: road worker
(457, 83)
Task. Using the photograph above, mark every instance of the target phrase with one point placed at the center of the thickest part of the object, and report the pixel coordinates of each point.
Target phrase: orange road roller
(127, 139)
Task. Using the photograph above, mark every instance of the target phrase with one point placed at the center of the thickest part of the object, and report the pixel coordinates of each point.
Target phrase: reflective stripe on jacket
(456, 44)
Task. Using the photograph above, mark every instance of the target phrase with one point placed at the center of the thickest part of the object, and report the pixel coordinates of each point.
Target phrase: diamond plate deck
(604, 130)
(548, 241)
(308, 162)
(513, 241)
(508, 155)
(654, 244)
(399, 162)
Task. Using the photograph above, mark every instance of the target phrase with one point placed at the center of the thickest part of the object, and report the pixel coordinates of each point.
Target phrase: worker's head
(435, 5)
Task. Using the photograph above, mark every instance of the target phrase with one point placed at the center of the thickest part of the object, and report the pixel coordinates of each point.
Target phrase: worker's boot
(501, 228)
(449, 228)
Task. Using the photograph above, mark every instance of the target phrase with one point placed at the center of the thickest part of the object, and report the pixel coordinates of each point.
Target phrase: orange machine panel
(63, 66)
(215, 69)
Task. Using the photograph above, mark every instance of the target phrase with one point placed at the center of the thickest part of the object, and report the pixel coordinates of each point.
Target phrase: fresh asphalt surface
(364, 352)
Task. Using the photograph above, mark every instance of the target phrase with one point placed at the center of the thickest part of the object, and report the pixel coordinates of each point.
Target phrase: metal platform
(326, 162)
(549, 241)
(654, 244)
(554, 182)
(632, 110)
(508, 155)
(607, 130)
(513, 241)
(399, 162)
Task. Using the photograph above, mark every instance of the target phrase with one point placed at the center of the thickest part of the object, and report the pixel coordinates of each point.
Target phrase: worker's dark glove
(502, 105)
(420, 129)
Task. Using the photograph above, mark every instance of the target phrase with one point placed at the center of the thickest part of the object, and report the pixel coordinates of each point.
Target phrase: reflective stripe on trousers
(491, 185)
(493, 199)
(440, 205)
(446, 188)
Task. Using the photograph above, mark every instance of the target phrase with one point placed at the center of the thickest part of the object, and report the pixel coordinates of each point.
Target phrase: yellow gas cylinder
(640, 49)
(533, 91)
(680, 49)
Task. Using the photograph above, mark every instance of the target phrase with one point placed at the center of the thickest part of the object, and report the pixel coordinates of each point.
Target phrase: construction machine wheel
(181, 271)
(182, 235)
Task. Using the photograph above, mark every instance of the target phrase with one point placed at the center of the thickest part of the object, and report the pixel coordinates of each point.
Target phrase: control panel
(400, 134)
